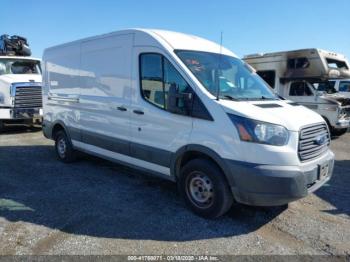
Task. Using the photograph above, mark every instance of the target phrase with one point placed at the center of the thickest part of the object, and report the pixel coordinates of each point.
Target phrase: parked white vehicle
(302, 76)
(185, 109)
(20, 90)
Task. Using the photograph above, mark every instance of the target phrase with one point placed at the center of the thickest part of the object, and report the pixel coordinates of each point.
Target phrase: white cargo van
(185, 109)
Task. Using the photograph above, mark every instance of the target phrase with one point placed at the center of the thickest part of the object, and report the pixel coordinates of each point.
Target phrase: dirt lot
(97, 207)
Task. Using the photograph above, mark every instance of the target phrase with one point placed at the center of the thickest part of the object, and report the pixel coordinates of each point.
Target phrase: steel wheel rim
(200, 190)
(61, 147)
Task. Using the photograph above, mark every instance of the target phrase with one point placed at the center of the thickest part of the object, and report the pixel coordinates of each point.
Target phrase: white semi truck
(302, 76)
(20, 84)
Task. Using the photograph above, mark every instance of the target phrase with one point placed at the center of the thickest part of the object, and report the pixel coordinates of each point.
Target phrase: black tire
(215, 197)
(339, 132)
(64, 148)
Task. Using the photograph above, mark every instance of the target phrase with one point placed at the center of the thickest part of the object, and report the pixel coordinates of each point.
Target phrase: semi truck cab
(20, 90)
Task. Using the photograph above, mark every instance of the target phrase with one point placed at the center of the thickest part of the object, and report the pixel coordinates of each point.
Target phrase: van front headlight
(260, 132)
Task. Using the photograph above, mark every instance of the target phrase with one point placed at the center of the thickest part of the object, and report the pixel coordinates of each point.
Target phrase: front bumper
(20, 113)
(265, 185)
(342, 123)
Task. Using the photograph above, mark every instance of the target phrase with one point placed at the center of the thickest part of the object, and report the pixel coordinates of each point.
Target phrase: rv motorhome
(159, 101)
(302, 76)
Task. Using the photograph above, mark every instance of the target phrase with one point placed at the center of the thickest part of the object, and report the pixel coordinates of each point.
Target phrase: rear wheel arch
(63, 146)
(58, 126)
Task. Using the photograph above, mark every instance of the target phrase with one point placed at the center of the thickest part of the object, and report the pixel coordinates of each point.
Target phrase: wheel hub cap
(201, 189)
(61, 147)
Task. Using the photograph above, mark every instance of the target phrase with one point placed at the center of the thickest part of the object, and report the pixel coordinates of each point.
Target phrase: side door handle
(138, 112)
(121, 108)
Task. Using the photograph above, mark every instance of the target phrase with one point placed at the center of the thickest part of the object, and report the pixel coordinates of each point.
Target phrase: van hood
(341, 99)
(23, 78)
(281, 112)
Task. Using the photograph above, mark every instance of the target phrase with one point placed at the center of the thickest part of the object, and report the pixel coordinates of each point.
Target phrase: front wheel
(205, 189)
(64, 148)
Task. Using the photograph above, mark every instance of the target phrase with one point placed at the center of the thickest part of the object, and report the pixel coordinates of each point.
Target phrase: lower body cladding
(265, 185)
(251, 184)
(32, 115)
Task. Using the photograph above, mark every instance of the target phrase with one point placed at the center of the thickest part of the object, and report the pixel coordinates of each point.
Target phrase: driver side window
(159, 77)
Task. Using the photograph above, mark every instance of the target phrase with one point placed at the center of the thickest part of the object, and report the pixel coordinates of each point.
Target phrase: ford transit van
(188, 110)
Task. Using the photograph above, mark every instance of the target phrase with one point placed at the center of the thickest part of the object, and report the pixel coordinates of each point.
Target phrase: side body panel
(61, 87)
(105, 87)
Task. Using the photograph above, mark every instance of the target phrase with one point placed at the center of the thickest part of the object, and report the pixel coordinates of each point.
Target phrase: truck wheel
(64, 148)
(205, 189)
(339, 132)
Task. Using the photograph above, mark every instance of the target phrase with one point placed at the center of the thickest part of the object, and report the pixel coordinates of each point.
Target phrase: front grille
(313, 141)
(28, 97)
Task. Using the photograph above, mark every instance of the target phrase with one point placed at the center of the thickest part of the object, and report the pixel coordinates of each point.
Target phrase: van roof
(169, 39)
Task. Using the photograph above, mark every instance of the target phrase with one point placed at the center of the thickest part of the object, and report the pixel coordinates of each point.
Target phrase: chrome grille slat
(308, 148)
(312, 135)
(312, 150)
(28, 97)
(312, 129)
(314, 155)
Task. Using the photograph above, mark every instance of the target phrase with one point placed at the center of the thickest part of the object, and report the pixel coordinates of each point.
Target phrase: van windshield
(235, 79)
(19, 66)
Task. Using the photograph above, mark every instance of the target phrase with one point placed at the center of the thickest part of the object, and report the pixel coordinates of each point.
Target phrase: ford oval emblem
(320, 140)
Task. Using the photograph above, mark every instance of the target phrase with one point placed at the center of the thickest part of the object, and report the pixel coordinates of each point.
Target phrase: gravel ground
(96, 207)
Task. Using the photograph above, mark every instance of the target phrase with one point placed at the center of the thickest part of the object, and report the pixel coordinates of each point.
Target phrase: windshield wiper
(267, 98)
(230, 98)
(247, 98)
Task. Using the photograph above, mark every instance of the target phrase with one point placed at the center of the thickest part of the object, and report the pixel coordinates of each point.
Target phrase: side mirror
(178, 103)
